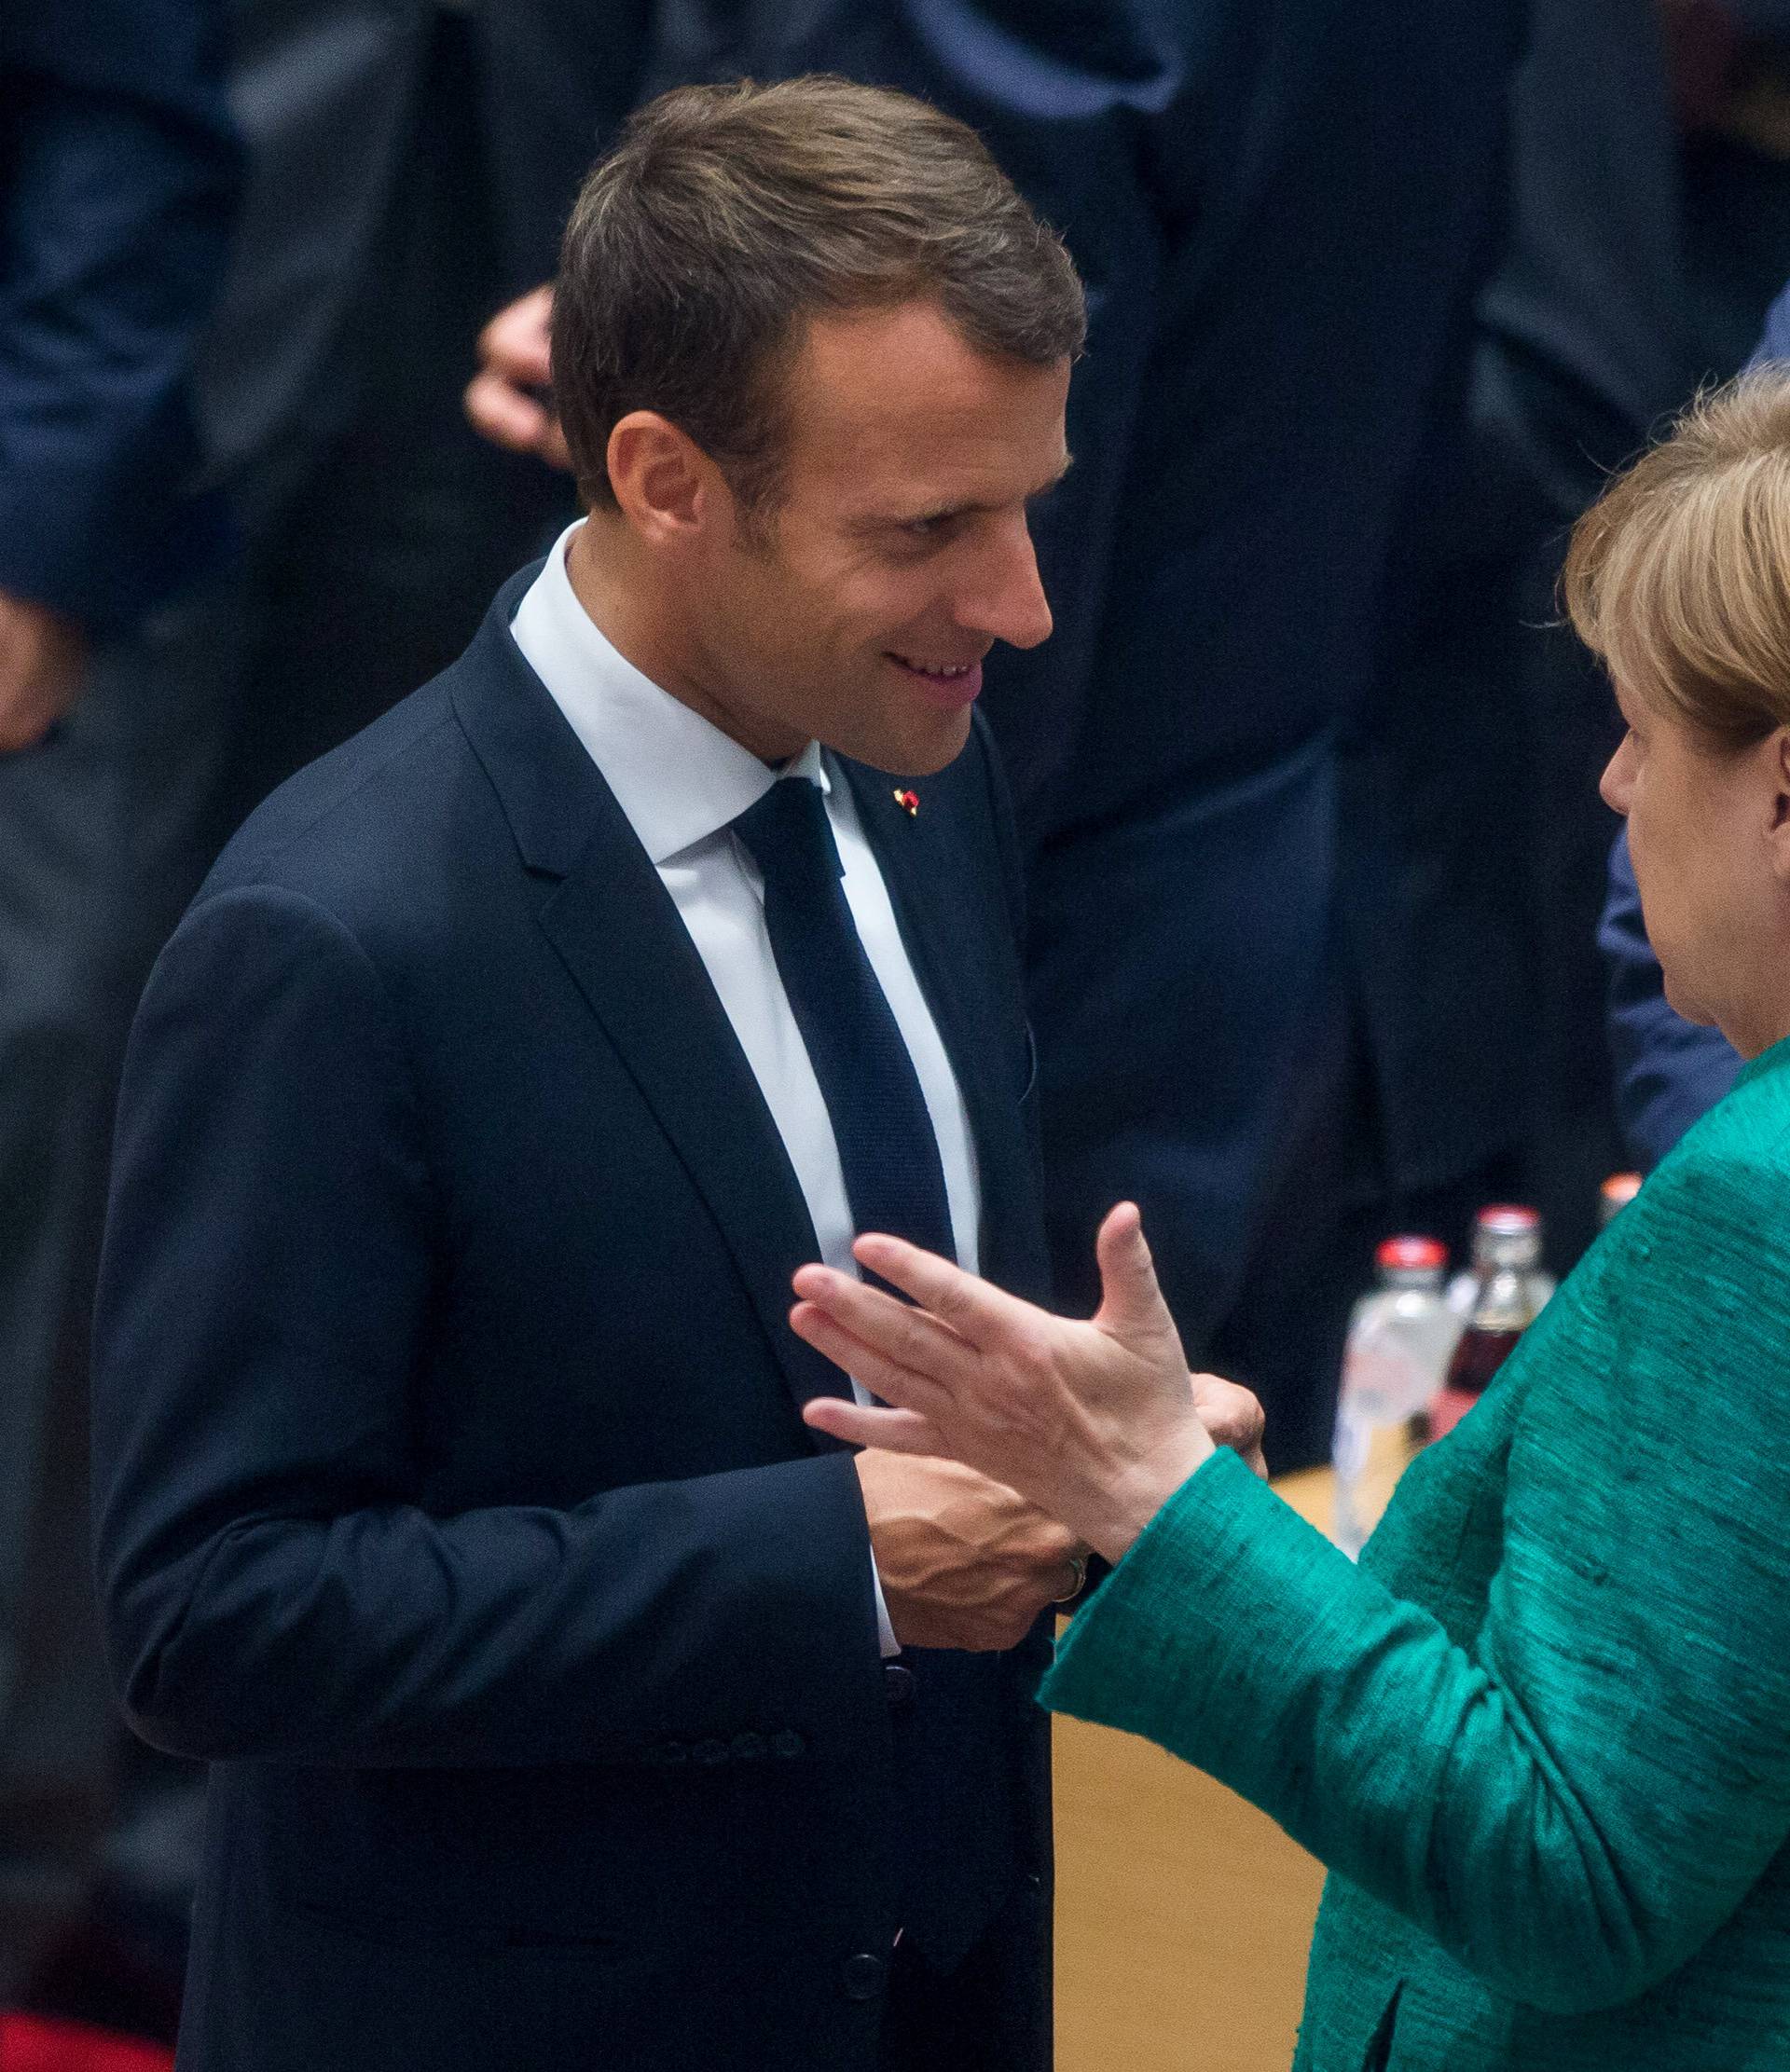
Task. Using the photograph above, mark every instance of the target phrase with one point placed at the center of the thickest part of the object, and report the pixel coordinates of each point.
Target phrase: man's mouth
(948, 684)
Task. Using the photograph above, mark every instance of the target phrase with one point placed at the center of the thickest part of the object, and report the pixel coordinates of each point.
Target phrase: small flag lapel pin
(909, 801)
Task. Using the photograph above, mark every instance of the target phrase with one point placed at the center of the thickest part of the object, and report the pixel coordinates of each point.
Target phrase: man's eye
(922, 529)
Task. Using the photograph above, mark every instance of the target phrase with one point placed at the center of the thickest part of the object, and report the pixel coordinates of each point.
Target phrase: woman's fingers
(883, 1373)
(910, 1336)
(1132, 1308)
(859, 1424)
(973, 1309)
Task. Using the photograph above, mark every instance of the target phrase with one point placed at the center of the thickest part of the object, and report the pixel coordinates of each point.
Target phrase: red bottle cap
(1410, 1253)
(1620, 1188)
(1509, 1218)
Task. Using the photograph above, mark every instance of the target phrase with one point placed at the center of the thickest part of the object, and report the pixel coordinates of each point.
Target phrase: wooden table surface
(1183, 1914)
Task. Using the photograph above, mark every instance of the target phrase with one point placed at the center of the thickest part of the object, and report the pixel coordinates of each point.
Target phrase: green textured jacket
(1541, 1737)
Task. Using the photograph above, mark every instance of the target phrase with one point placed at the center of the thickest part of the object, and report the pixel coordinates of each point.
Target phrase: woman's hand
(1096, 1424)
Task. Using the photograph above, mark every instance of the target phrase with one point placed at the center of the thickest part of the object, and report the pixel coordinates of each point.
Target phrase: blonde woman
(1542, 1735)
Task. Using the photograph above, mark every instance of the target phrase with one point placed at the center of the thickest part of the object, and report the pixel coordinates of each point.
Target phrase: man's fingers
(971, 1309)
(507, 416)
(859, 1424)
(1232, 1415)
(42, 656)
(517, 342)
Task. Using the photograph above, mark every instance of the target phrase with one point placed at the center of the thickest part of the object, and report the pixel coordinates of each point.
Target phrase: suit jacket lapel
(608, 915)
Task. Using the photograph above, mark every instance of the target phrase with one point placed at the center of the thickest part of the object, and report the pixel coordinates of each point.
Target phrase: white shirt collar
(676, 776)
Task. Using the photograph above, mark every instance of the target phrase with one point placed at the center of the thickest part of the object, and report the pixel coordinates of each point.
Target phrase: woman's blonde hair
(1678, 576)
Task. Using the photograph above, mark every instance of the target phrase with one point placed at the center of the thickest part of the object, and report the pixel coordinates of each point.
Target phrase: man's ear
(662, 481)
(1777, 753)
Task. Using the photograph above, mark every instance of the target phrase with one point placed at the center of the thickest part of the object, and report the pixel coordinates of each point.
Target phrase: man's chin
(911, 751)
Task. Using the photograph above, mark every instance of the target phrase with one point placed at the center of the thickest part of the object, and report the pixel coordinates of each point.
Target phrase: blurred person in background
(1474, 837)
(1733, 72)
(407, 167)
(117, 175)
(1283, 214)
(1540, 1734)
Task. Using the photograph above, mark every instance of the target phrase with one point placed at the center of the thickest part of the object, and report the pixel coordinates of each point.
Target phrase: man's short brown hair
(726, 216)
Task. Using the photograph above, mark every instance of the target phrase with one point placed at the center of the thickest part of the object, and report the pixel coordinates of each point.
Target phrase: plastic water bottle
(1400, 1337)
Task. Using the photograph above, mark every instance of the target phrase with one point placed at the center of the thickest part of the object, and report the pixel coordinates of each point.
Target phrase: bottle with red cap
(1508, 1291)
(1401, 1336)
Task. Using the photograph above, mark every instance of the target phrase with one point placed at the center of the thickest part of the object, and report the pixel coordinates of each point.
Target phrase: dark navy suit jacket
(118, 174)
(452, 1493)
(1669, 1071)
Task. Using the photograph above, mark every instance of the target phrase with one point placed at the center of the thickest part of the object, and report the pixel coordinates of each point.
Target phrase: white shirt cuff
(885, 1631)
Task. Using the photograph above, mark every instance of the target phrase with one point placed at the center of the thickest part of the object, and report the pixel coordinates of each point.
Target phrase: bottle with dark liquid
(1507, 1292)
(1615, 1195)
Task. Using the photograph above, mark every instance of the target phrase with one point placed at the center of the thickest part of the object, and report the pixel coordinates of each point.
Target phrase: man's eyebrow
(878, 521)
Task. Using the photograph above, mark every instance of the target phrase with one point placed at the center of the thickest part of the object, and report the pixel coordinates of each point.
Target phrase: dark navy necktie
(958, 1832)
(889, 1157)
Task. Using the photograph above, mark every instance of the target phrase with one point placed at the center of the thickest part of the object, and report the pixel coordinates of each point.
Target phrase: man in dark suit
(118, 177)
(564, 1702)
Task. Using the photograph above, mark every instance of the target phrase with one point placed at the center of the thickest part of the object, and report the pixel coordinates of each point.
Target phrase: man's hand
(1233, 1418)
(508, 399)
(963, 1562)
(42, 658)
(1096, 1424)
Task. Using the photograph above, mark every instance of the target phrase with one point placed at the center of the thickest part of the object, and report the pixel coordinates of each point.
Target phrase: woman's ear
(1776, 750)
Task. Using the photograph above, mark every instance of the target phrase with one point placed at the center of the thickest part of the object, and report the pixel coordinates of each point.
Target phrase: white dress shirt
(681, 783)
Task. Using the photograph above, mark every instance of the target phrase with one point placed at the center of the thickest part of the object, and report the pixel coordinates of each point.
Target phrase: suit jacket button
(862, 1976)
(710, 1752)
(898, 1683)
(787, 1743)
(749, 1748)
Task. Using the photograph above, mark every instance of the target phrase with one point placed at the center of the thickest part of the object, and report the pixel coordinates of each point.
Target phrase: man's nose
(1007, 602)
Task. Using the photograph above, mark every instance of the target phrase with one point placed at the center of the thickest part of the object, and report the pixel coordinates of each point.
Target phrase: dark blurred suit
(407, 168)
(117, 176)
(411, 167)
(1476, 836)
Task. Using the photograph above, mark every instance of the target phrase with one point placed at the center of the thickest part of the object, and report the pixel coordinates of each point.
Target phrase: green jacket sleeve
(1572, 1803)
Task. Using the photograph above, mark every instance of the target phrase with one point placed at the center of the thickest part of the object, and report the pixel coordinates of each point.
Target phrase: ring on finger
(1079, 1568)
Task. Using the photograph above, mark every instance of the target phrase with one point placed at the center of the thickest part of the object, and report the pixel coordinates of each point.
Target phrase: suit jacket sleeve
(1573, 1801)
(118, 177)
(1668, 1071)
(273, 1586)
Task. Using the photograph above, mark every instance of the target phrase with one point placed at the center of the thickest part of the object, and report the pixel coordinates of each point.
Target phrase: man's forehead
(913, 345)
(903, 393)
